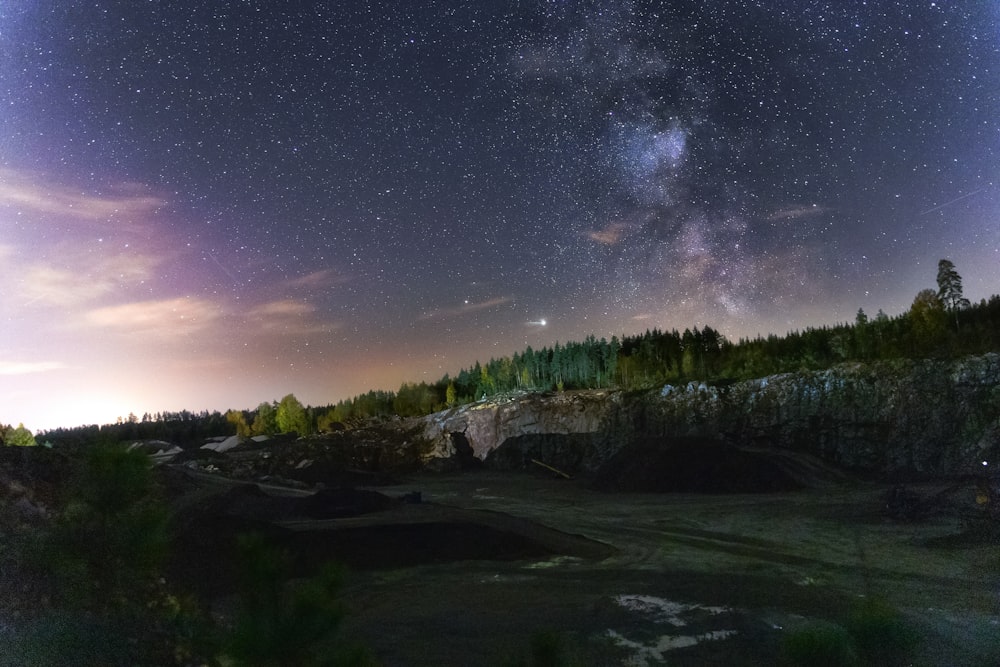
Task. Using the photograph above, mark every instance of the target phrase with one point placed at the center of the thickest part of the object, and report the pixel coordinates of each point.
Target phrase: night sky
(206, 205)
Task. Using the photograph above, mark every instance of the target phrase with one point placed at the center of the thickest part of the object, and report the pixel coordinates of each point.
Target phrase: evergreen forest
(939, 324)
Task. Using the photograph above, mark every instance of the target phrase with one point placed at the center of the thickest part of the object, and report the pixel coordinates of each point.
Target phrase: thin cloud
(28, 367)
(322, 278)
(83, 279)
(612, 234)
(287, 316)
(796, 212)
(282, 308)
(164, 319)
(22, 190)
(466, 308)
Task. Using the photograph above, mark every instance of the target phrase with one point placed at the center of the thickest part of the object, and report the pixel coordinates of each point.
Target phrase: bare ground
(488, 561)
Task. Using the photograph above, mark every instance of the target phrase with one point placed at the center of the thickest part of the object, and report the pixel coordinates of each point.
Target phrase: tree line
(269, 418)
(940, 323)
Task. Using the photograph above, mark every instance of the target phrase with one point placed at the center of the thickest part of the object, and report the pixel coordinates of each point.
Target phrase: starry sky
(205, 205)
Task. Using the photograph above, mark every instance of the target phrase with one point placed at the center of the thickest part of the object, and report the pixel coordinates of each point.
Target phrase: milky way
(207, 205)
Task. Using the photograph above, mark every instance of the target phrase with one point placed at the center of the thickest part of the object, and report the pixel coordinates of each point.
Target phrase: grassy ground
(744, 571)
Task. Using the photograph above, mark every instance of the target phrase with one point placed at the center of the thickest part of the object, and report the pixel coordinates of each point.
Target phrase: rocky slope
(895, 417)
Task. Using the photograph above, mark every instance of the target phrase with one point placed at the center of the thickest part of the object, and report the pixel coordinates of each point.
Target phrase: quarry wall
(920, 416)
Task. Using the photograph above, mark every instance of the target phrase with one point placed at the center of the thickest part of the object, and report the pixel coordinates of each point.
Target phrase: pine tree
(950, 289)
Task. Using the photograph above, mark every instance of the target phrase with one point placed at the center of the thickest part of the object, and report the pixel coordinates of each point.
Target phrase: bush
(547, 649)
(875, 633)
(819, 644)
(96, 568)
(280, 623)
(110, 540)
(881, 633)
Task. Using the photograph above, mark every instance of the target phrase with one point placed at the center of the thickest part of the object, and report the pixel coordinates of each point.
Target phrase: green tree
(862, 335)
(927, 317)
(291, 416)
(239, 420)
(265, 422)
(326, 419)
(19, 437)
(487, 384)
(278, 622)
(101, 557)
(950, 286)
(449, 395)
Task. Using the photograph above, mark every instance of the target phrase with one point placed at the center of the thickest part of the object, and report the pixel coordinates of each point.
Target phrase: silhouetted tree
(927, 319)
(950, 289)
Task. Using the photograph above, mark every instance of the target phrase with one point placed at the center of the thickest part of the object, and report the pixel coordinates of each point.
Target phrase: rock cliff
(893, 417)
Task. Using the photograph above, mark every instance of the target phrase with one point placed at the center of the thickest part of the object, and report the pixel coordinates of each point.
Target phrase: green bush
(819, 644)
(107, 545)
(882, 634)
(875, 633)
(286, 623)
(547, 649)
(96, 570)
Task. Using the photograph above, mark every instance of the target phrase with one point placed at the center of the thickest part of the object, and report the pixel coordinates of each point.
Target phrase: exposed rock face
(907, 415)
(484, 426)
(919, 416)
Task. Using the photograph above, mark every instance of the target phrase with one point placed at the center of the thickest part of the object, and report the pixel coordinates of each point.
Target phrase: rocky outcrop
(900, 416)
(481, 428)
(921, 416)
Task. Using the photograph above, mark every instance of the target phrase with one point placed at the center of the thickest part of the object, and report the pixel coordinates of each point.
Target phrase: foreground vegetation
(87, 586)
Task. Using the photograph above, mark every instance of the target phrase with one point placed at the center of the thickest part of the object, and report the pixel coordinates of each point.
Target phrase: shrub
(97, 570)
(882, 634)
(282, 623)
(819, 644)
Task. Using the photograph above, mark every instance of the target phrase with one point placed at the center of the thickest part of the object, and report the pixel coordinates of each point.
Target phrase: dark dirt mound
(335, 473)
(360, 528)
(693, 465)
(405, 545)
(205, 548)
(37, 473)
(204, 551)
(337, 503)
(570, 452)
(251, 502)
